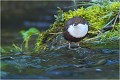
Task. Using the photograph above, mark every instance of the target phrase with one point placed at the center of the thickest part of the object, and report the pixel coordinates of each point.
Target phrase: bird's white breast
(78, 31)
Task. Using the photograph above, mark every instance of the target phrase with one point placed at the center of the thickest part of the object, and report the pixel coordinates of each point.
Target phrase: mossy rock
(98, 16)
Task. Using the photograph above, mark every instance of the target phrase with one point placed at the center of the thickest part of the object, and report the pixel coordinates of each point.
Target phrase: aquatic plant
(17, 48)
(27, 35)
(60, 16)
(98, 15)
(2, 50)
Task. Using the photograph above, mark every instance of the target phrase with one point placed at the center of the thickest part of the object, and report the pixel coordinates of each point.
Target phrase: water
(62, 64)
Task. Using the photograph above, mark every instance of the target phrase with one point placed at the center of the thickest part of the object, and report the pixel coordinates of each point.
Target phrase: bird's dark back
(76, 20)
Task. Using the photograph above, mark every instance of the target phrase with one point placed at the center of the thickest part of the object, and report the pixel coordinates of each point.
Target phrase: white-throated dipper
(75, 29)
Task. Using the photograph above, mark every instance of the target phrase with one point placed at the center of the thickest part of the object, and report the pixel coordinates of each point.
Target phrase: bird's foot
(69, 45)
(78, 44)
(73, 46)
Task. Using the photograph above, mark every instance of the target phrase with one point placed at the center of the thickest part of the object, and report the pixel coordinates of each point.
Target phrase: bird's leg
(69, 45)
(78, 43)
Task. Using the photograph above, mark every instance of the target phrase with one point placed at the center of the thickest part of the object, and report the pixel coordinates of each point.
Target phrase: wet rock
(98, 70)
(19, 53)
(98, 63)
(109, 51)
(54, 67)
(110, 62)
(59, 73)
(101, 62)
(24, 77)
(3, 73)
(80, 66)
(7, 58)
(25, 61)
(23, 53)
(79, 53)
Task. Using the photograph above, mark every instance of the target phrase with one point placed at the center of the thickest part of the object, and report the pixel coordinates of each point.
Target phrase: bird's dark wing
(65, 28)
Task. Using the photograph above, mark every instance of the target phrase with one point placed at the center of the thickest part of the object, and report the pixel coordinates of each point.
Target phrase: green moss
(109, 35)
(97, 15)
(47, 37)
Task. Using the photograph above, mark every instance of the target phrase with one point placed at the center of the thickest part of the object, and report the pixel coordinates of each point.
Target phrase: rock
(7, 58)
(98, 70)
(109, 51)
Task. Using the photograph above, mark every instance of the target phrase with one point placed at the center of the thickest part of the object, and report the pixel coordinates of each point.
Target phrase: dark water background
(18, 15)
(61, 63)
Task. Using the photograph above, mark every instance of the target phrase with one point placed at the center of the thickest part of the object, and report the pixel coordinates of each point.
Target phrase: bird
(75, 29)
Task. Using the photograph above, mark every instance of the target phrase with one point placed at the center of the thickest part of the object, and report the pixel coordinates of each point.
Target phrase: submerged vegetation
(98, 15)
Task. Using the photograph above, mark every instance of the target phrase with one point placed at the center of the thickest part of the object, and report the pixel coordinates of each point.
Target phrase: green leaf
(60, 16)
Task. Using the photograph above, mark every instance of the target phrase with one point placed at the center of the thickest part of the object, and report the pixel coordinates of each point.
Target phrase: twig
(56, 33)
(108, 23)
(116, 19)
(75, 4)
(91, 39)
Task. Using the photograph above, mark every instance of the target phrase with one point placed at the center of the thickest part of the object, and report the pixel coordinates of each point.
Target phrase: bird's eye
(76, 24)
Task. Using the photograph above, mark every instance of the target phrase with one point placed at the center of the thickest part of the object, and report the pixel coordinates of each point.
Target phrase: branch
(56, 33)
